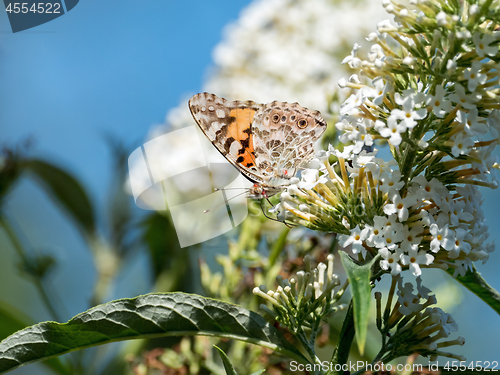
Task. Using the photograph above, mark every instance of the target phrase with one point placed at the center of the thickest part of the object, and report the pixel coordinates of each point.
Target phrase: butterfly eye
(276, 117)
(302, 123)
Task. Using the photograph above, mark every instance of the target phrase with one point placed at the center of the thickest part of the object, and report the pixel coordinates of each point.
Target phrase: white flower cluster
(420, 327)
(440, 99)
(302, 300)
(429, 226)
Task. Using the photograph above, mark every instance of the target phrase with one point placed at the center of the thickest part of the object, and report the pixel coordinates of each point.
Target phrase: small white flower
(462, 144)
(412, 235)
(400, 206)
(376, 232)
(460, 97)
(473, 123)
(310, 178)
(482, 42)
(393, 131)
(354, 101)
(474, 77)
(440, 106)
(390, 182)
(441, 18)
(458, 214)
(347, 153)
(352, 60)
(361, 138)
(428, 189)
(393, 234)
(376, 53)
(408, 115)
(415, 258)
(380, 90)
(459, 244)
(390, 260)
(442, 238)
(355, 239)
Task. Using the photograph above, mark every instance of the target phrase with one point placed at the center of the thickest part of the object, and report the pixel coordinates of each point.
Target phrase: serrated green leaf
(12, 320)
(473, 281)
(152, 315)
(66, 190)
(359, 279)
(228, 366)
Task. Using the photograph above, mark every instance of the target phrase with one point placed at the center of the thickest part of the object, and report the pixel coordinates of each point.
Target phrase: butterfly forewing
(228, 125)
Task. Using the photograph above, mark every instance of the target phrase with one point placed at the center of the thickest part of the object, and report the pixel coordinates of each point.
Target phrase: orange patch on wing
(241, 130)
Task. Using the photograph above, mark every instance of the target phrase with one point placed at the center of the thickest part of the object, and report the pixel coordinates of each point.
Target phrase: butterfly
(267, 143)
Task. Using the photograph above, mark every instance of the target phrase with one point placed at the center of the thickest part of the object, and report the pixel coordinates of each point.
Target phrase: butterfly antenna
(273, 219)
(225, 201)
(217, 189)
(262, 208)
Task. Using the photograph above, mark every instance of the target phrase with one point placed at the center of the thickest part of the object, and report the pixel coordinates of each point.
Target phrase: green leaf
(359, 278)
(228, 366)
(160, 236)
(259, 372)
(9, 171)
(152, 315)
(473, 281)
(66, 190)
(12, 320)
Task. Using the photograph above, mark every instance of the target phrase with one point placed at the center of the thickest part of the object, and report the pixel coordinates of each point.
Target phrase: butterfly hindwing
(228, 125)
(284, 135)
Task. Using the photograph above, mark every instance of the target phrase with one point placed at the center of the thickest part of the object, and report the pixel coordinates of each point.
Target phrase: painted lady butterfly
(268, 143)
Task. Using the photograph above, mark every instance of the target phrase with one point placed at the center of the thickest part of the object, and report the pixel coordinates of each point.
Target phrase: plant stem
(341, 352)
(310, 349)
(24, 258)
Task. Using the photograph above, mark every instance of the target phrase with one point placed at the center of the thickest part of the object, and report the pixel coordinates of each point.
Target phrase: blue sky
(104, 68)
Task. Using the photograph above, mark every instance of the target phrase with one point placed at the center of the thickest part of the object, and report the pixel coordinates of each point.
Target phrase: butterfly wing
(283, 136)
(228, 125)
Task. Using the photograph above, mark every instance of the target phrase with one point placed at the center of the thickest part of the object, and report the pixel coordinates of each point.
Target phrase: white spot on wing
(233, 150)
(211, 108)
(216, 126)
(220, 113)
